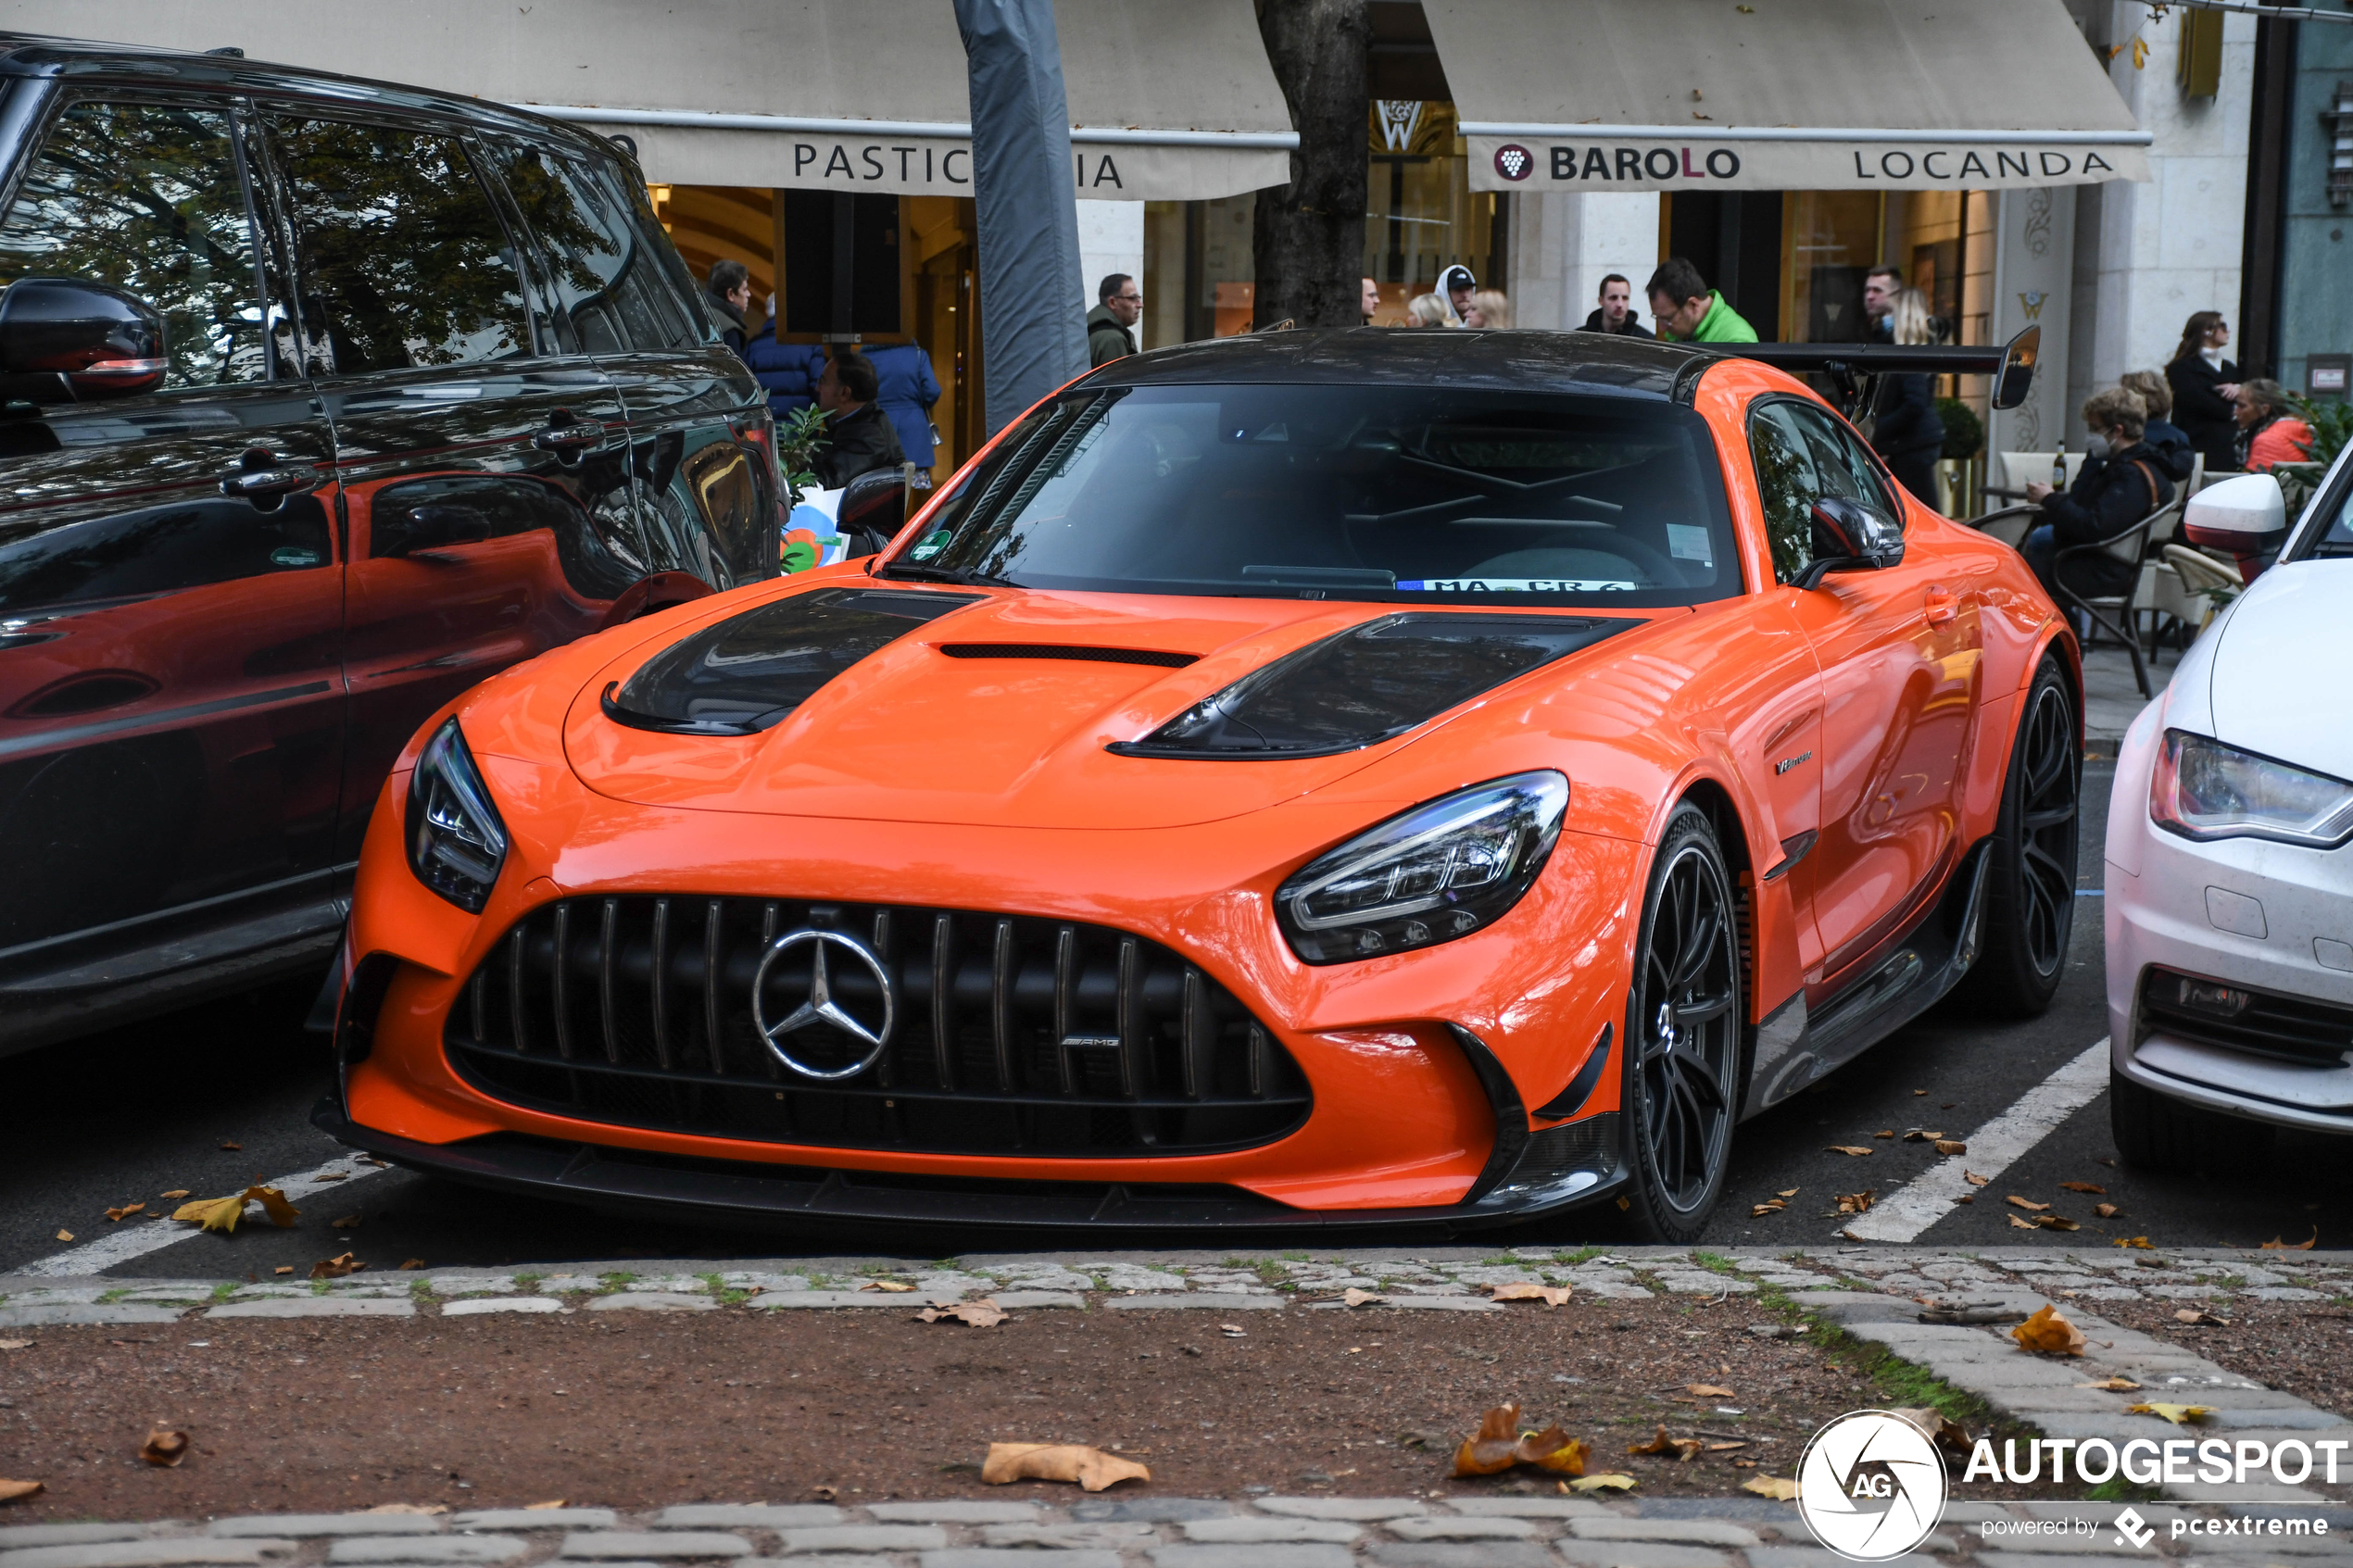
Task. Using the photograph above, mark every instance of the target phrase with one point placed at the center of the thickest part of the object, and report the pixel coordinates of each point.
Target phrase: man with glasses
(1121, 304)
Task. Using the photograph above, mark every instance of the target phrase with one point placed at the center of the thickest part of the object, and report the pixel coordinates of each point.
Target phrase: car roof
(1512, 359)
(34, 56)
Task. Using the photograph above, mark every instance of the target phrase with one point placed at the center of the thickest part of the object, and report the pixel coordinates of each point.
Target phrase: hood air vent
(1068, 650)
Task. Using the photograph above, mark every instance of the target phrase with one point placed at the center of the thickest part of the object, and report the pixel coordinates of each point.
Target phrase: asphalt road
(218, 1096)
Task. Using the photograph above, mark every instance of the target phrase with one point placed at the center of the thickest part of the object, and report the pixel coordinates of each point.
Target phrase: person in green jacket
(1688, 312)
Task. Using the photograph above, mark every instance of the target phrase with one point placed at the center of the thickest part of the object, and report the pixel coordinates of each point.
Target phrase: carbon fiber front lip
(733, 1194)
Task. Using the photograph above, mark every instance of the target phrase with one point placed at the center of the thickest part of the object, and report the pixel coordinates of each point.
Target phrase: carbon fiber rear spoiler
(1849, 366)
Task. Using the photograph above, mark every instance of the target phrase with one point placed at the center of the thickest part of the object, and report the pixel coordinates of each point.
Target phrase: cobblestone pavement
(1904, 1298)
(1109, 1531)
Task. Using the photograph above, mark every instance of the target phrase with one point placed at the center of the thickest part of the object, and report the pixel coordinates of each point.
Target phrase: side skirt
(1796, 1046)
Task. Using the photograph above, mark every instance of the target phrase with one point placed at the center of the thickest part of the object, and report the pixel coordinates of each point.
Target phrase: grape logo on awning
(1513, 161)
(1871, 1486)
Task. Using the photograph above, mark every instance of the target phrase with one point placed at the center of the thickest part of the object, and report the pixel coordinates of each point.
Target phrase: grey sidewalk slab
(314, 1307)
(149, 1553)
(536, 1519)
(18, 1536)
(427, 1549)
(329, 1524)
(619, 1544)
(1200, 1302)
(749, 1516)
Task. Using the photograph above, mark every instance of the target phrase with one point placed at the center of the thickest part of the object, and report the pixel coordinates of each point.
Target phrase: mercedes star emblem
(822, 1005)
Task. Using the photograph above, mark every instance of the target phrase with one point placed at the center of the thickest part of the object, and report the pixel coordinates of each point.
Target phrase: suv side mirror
(874, 504)
(66, 341)
(1851, 536)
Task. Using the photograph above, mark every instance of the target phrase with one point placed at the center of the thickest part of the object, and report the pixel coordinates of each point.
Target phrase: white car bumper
(2272, 919)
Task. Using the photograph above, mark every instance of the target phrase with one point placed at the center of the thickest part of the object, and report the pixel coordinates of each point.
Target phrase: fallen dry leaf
(348, 1222)
(16, 1344)
(1233, 1331)
(2197, 1318)
(2106, 1211)
(65, 1236)
(1770, 1205)
(1788, 1192)
(2276, 1245)
(983, 1313)
(1949, 1435)
(176, 1193)
(2026, 1203)
(1855, 1149)
(895, 1287)
(232, 1145)
(126, 1210)
(1856, 1202)
(1917, 1136)
(1353, 1297)
(1888, 1134)
(1777, 1487)
(2141, 1242)
(1091, 1468)
(2112, 1384)
(2084, 1186)
(1610, 1483)
(2017, 1224)
(1974, 1179)
(11, 1490)
(414, 1263)
(331, 1176)
(164, 1447)
(2046, 1333)
(284, 1269)
(222, 1213)
(1551, 1295)
(1681, 1447)
(1951, 1145)
(336, 1267)
(825, 1493)
(1719, 1447)
(543, 1507)
(2180, 1415)
(1707, 1390)
(2056, 1222)
(427, 1509)
(1499, 1444)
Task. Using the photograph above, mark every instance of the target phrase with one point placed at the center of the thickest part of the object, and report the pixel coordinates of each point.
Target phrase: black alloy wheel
(1684, 1018)
(2028, 919)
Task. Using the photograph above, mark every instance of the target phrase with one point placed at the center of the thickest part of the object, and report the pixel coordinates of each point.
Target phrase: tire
(2027, 922)
(1679, 1090)
(2158, 1133)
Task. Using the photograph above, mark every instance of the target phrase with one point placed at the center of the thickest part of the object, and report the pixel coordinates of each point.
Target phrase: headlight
(2203, 789)
(456, 841)
(1439, 871)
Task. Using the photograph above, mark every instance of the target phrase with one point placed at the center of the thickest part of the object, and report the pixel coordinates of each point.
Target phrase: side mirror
(2245, 516)
(2016, 377)
(65, 341)
(1850, 536)
(874, 504)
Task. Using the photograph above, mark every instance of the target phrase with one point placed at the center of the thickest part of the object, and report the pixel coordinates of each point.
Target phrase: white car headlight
(456, 841)
(2203, 789)
(1439, 871)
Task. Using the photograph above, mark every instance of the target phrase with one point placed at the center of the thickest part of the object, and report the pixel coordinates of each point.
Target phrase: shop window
(1422, 216)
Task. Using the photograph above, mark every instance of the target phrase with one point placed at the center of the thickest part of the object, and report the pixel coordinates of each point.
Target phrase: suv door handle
(261, 476)
(569, 440)
(1942, 607)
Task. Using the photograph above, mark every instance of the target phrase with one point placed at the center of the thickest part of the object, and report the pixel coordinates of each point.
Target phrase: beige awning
(1167, 102)
(1781, 95)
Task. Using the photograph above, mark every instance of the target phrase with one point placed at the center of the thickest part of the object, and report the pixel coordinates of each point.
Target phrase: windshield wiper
(955, 574)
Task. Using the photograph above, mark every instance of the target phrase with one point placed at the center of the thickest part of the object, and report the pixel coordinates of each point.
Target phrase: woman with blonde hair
(1425, 310)
(1490, 308)
(1906, 431)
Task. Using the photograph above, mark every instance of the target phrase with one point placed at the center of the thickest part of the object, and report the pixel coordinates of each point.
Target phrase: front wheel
(2029, 916)
(1683, 1020)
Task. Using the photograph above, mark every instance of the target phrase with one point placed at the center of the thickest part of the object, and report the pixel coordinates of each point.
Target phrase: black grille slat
(1012, 1033)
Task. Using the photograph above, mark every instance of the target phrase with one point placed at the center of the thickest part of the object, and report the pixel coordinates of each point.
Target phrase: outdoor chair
(2127, 545)
(2009, 524)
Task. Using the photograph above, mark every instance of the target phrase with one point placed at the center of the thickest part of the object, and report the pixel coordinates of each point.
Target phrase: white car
(2230, 855)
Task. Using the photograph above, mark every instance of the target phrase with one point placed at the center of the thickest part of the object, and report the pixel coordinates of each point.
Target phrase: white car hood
(2275, 680)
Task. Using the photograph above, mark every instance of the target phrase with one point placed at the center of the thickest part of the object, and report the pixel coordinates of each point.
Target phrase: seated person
(2110, 495)
(858, 437)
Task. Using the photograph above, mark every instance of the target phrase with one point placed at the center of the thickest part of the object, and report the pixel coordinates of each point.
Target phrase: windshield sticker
(1516, 586)
(1688, 542)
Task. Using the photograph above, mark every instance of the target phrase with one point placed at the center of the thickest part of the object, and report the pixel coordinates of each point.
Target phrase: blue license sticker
(1516, 586)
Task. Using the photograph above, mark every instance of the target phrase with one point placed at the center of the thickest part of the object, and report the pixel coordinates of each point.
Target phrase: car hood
(2280, 650)
(1007, 727)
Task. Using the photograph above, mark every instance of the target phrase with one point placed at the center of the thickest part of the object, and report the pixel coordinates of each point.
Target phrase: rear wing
(1852, 367)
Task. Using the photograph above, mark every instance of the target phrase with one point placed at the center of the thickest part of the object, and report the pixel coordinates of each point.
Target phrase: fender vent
(1066, 650)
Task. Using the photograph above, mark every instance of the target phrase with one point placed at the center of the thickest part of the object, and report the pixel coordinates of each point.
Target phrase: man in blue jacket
(908, 391)
(788, 370)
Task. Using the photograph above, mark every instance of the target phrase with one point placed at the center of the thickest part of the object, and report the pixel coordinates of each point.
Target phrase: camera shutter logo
(1871, 1486)
(824, 1007)
(1513, 161)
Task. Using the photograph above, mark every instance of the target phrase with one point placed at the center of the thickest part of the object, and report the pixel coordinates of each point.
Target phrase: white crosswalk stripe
(137, 1237)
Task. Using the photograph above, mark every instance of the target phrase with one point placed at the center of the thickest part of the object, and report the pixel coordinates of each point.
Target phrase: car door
(172, 723)
(1899, 650)
(483, 470)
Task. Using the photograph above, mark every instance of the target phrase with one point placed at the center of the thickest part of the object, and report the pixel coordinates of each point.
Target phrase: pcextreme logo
(2132, 1529)
(1871, 1486)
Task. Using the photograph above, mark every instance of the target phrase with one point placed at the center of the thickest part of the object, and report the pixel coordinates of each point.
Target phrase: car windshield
(2332, 540)
(1411, 494)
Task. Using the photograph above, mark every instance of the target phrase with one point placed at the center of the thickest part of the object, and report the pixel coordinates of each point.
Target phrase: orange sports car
(1318, 777)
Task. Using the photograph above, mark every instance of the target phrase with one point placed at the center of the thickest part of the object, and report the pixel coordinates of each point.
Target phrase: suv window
(404, 262)
(1802, 454)
(608, 294)
(146, 198)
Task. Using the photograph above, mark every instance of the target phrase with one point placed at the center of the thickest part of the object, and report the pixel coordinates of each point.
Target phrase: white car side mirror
(2246, 516)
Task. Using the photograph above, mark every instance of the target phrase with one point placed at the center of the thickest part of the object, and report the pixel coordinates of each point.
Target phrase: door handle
(1942, 607)
(260, 476)
(569, 440)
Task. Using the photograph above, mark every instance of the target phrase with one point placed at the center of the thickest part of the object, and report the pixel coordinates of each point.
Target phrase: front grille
(1012, 1035)
(2291, 1029)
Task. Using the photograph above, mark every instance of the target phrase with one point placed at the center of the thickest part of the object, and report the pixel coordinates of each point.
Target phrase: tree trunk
(1308, 236)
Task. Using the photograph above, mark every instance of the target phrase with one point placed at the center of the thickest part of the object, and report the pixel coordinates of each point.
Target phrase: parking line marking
(137, 1238)
(1993, 1148)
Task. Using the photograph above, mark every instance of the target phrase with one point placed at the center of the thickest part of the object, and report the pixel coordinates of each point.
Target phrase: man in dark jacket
(1616, 313)
(2108, 497)
(1119, 304)
(858, 437)
(728, 293)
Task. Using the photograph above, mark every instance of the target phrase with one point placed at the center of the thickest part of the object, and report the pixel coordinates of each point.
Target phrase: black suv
(325, 400)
